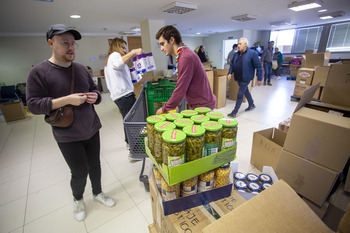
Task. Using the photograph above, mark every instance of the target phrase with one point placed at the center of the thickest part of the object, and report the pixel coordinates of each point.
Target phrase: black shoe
(269, 84)
(232, 115)
(250, 108)
(265, 83)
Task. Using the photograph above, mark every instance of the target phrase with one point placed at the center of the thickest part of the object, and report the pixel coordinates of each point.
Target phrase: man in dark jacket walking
(243, 65)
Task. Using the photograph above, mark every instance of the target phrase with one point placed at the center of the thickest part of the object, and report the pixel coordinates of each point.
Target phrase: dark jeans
(268, 71)
(278, 70)
(124, 104)
(243, 91)
(83, 159)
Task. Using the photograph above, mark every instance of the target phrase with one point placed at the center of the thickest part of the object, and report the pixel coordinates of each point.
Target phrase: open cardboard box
(177, 174)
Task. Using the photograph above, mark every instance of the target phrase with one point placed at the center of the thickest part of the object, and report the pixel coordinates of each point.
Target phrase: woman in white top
(118, 78)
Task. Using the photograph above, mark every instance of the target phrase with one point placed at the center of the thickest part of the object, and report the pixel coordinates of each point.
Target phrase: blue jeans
(243, 91)
(268, 71)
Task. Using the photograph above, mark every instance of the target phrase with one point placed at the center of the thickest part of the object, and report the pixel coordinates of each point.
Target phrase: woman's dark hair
(169, 31)
(235, 46)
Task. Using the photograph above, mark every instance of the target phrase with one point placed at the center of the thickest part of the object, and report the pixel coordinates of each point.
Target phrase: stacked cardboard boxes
(220, 84)
(313, 70)
(315, 151)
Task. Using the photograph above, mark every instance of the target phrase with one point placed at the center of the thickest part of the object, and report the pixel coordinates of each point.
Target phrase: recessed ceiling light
(323, 10)
(305, 5)
(198, 33)
(75, 16)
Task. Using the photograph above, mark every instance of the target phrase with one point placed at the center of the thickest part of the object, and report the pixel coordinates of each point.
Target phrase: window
(306, 39)
(339, 38)
(283, 40)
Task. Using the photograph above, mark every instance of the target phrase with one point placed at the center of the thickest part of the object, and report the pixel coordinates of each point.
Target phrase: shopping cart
(152, 96)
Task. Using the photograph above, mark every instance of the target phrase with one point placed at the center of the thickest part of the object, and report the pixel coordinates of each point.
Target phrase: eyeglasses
(67, 45)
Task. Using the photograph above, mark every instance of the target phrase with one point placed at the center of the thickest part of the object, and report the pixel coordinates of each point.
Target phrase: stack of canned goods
(251, 183)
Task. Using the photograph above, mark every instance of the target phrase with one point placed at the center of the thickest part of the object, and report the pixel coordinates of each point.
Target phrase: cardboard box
(309, 51)
(177, 174)
(267, 146)
(337, 88)
(13, 111)
(277, 209)
(319, 137)
(299, 90)
(319, 211)
(329, 108)
(220, 91)
(191, 220)
(307, 178)
(220, 72)
(338, 204)
(284, 125)
(210, 75)
(316, 59)
(305, 76)
(320, 75)
(152, 228)
(293, 70)
(347, 181)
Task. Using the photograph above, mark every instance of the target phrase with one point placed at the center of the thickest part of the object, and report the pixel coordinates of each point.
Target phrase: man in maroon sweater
(192, 82)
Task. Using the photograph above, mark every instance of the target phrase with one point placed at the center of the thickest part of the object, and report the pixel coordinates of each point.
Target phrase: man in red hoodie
(192, 82)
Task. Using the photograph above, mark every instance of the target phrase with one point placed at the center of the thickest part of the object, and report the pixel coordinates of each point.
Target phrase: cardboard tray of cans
(177, 174)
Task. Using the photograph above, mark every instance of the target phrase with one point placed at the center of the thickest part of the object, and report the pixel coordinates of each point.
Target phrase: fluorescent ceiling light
(178, 8)
(331, 15)
(198, 33)
(305, 5)
(323, 10)
(281, 23)
(75, 16)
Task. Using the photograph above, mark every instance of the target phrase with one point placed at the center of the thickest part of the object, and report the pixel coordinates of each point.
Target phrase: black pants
(125, 104)
(83, 159)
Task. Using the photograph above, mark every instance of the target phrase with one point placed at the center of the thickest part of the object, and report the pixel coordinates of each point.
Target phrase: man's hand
(91, 97)
(159, 111)
(77, 99)
(229, 76)
(259, 83)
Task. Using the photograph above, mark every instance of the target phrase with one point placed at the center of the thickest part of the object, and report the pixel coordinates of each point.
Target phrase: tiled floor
(35, 195)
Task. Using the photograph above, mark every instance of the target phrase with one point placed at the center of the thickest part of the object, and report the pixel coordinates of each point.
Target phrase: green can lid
(194, 130)
(183, 122)
(155, 119)
(199, 119)
(174, 136)
(228, 122)
(212, 125)
(189, 113)
(215, 115)
(202, 110)
(164, 125)
(173, 116)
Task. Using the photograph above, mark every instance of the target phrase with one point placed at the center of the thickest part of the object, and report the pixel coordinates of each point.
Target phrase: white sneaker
(278, 77)
(79, 210)
(104, 199)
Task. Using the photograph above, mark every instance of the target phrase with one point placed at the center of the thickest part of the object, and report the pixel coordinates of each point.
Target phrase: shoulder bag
(63, 117)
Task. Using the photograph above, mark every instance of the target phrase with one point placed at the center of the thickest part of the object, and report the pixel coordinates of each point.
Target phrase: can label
(167, 196)
(205, 186)
(187, 191)
(227, 143)
(174, 161)
(210, 148)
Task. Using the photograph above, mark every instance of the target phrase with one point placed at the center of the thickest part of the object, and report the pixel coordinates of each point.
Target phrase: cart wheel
(144, 179)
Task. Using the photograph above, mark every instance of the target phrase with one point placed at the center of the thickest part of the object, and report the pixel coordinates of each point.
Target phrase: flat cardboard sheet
(277, 209)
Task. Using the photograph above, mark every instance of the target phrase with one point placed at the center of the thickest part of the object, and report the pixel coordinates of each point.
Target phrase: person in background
(48, 88)
(118, 77)
(192, 82)
(266, 61)
(201, 54)
(243, 65)
(279, 57)
(231, 53)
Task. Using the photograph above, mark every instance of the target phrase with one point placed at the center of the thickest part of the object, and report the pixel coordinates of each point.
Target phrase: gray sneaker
(104, 199)
(79, 209)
